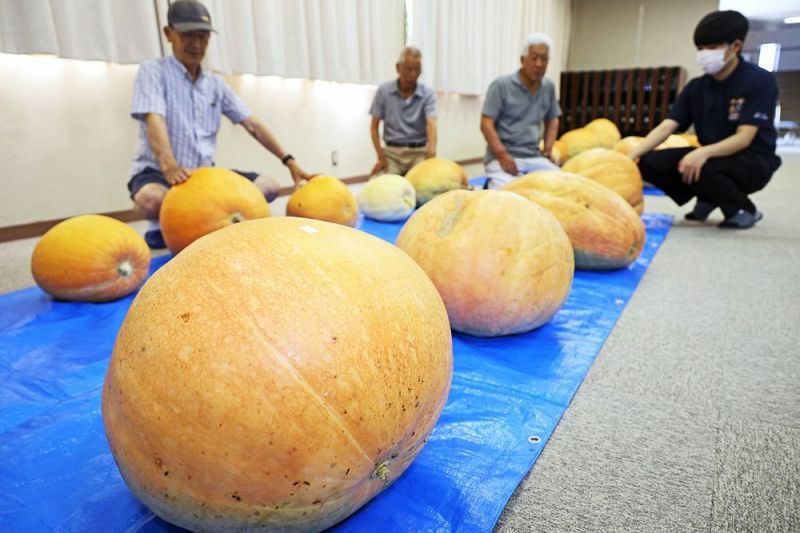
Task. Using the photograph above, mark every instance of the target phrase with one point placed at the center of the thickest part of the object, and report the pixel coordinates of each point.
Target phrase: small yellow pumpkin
(626, 145)
(324, 197)
(90, 258)
(435, 176)
(674, 141)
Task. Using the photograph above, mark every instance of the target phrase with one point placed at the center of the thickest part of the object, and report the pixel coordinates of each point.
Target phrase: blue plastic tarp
(508, 394)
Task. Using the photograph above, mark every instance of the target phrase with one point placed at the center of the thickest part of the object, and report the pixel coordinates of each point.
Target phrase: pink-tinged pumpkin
(276, 375)
(435, 176)
(502, 264)
(607, 132)
(576, 141)
(614, 170)
(324, 197)
(604, 230)
(90, 258)
(212, 198)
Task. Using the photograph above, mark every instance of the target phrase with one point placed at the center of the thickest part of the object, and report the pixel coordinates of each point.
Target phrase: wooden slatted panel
(636, 100)
(595, 95)
(607, 111)
(654, 81)
(616, 117)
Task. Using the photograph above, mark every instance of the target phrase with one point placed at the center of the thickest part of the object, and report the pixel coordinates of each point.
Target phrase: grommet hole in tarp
(533, 439)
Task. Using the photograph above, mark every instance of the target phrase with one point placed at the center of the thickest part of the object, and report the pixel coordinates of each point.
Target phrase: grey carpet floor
(689, 419)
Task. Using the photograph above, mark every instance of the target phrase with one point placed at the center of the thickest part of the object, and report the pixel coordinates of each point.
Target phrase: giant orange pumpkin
(435, 176)
(90, 258)
(326, 198)
(276, 375)
(607, 132)
(576, 141)
(603, 228)
(502, 264)
(612, 169)
(212, 198)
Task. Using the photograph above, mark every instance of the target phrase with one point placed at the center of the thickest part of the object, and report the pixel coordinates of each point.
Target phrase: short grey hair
(409, 51)
(536, 38)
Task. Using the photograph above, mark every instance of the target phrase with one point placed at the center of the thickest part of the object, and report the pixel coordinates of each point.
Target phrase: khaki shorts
(401, 158)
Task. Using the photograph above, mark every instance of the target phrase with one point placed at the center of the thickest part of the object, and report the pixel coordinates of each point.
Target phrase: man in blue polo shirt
(516, 107)
(179, 106)
(732, 107)
(408, 111)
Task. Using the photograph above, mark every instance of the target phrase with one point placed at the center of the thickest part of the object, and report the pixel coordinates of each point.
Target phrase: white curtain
(355, 41)
(112, 30)
(465, 44)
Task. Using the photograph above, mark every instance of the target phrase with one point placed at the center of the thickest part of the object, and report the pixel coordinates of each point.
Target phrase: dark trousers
(724, 181)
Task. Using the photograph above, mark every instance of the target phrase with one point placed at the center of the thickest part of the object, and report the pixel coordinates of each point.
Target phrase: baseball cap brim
(183, 27)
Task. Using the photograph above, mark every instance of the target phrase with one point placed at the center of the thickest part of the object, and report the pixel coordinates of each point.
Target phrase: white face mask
(711, 61)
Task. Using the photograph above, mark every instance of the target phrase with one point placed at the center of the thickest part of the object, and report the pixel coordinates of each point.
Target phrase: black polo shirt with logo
(716, 108)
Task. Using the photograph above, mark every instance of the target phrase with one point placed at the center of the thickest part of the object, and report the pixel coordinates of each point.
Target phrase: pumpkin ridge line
(332, 414)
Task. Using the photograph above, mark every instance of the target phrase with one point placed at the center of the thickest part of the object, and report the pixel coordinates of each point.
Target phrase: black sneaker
(742, 220)
(154, 239)
(701, 211)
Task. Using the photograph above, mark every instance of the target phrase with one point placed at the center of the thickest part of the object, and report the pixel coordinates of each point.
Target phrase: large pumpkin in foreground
(212, 198)
(326, 198)
(435, 176)
(614, 170)
(90, 258)
(275, 376)
(387, 198)
(502, 264)
(603, 228)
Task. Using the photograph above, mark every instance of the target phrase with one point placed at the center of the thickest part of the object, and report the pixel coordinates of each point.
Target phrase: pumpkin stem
(382, 472)
(125, 268)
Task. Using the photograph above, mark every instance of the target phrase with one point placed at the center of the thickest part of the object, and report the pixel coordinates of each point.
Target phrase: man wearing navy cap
(179, 106)
(732, 107)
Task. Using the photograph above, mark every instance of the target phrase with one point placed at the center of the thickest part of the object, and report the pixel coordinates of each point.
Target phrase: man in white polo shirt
(516, 107)
(179, 106)
(408, 111)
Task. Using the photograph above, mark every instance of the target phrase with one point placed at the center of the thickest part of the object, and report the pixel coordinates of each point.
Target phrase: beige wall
(67, 139)
(610, 34)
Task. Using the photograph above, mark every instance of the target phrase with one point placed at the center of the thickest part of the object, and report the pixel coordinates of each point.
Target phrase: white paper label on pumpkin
(309, 229)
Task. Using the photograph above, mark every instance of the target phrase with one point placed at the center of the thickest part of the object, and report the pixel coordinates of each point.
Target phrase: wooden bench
(636, 99)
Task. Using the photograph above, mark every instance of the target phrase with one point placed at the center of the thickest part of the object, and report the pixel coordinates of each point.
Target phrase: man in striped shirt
(179, 106)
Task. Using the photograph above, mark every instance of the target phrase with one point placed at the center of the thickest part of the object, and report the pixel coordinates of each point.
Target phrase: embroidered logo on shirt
(760, 115)
(735, 108)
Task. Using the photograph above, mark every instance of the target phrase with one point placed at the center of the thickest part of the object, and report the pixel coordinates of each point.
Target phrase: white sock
(153, 224)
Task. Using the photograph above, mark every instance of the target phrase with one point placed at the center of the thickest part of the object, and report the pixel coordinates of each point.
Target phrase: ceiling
(764, 10)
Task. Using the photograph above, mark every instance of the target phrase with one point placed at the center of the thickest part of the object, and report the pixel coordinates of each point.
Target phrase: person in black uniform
(732, 107)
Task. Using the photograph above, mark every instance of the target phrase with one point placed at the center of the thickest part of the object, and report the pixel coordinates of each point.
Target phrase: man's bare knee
(147, 200)
(268, 186)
